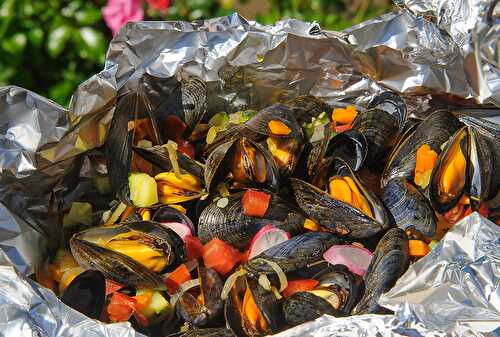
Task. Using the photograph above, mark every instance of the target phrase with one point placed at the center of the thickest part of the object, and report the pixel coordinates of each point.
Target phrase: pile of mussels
(222, 222)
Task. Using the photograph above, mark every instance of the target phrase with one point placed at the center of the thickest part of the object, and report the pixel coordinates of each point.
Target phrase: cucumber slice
(80, 213)
(158, 309)
(143, 190)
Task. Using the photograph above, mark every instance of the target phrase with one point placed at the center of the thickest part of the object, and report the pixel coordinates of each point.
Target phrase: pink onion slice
(267, 237)
(181, 229)
(355, 258)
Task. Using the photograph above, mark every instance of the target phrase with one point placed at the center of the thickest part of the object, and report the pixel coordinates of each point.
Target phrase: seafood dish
(248, 223)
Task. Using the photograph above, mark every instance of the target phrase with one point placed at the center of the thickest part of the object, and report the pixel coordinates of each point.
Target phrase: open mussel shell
(392, 104)
(409, 207)
(132, 254)
(306, 106)
(158, 156)
(266, 302)
(389, 262)
(463, 168)
(231, 225)
(436, 129)
(304, 306)
(86, 293)
(293, 254)
(200, 314)
(248, 162)
(206, 332)
(337, 216)
(350, 146)
(167, 214)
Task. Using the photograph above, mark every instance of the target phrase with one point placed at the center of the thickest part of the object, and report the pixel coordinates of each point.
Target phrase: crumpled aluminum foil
(42, 144)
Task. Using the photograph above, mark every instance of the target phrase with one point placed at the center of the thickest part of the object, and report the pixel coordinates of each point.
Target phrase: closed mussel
(132, 254)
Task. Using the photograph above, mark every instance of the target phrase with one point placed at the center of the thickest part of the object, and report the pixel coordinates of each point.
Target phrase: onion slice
(231, 280)
(357, 259)
(267, 237)
(181, 229)
(182, 289)
(277, 269)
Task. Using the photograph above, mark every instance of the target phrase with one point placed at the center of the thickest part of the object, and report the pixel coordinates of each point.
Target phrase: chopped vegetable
(220, 119)
(143, 190)
(194, 247)
(433, 244)
(181, 229)
(267, 237)
(220, 256)
(425, 160)
(278, 128)
(101, 183)
(255, 203)
(180, 275)
(156, 309)
(143, 300)
(121, 307)
(342, 128)
(212, 134)
(174, 127)
(185, 147)
(417, 248)
(344, 116)
(112, 287)
(311, 225)
(295, 286)
(80, 213)
(356, 258)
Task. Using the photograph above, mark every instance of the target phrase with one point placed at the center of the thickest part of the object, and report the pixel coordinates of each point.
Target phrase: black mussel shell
(86, 293)
(306, 106)
(165, 214)
(304, 306)
(207, 332)
(389, 262)
(293, 254)
(409, 207)
(231, 225)
(392, 104)
(436, 129)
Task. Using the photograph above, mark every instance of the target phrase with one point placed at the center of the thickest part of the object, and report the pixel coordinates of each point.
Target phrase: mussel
(86, 293)
(306, 106)
(436, 129)
(292, 254)
(381, 124)
(464, 170)
(132, 254)
(206, 332)
(251, 310)
(389, 262)
(231, 225)
(336, 294)
(283, 135)
(205, 308)
(351, 146)
(247, 161)
(350, 208)
(168, 215)
(409, 207)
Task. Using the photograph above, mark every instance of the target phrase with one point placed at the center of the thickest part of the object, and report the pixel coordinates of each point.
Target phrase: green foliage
(51, 46)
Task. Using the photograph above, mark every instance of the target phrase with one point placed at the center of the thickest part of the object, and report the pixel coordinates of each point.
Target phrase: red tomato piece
(141, 319)
(174, 127)
(220, 256)
(186, 148)
(342, 128)
(294, 286)
(177, 277)
(121, 307)
(255, 203)
(112, 287)
(483, 210)
(194, 247)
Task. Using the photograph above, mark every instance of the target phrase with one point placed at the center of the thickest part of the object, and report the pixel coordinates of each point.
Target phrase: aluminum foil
(43, 145)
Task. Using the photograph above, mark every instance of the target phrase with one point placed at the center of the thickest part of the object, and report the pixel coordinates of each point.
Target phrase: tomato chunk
(112, 287)
(177, 277)
(194, 247)
(174, 127)
(121, 307)
(295, 286)
(255, 203)
(186, 148)
(220, 256)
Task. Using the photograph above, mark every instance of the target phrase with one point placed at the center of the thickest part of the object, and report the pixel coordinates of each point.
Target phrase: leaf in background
(88, 15)
(14, 44)
(91, 44)
(57, 40)
(35, 36)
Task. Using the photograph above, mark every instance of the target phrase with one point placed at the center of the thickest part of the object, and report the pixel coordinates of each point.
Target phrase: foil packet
(43, 146)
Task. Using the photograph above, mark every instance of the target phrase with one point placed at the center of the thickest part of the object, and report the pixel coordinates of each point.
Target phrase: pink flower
(119, 12)
(162, 5)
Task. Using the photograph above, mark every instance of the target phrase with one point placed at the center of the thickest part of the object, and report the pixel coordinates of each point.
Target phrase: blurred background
(51, 46)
